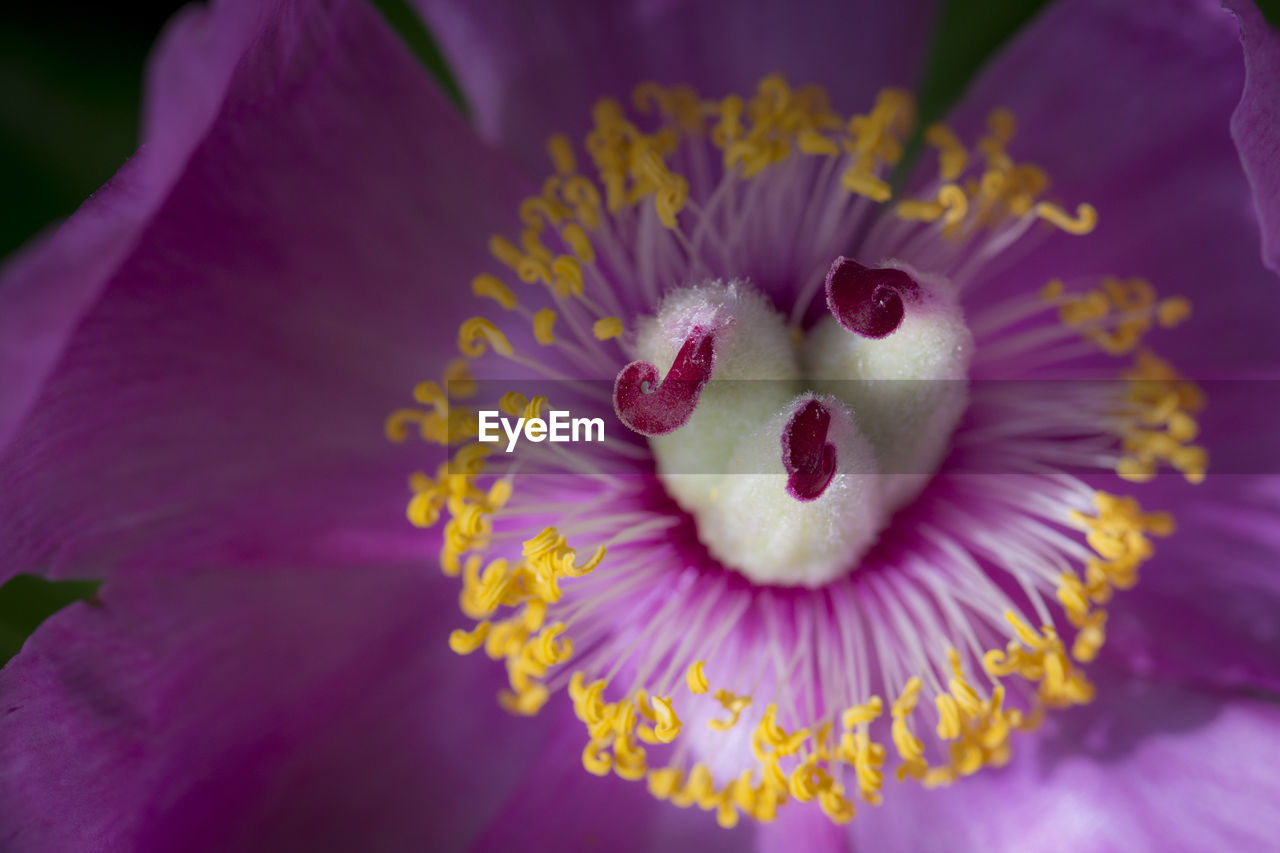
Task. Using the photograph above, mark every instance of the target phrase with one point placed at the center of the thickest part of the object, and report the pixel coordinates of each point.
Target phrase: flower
(203, 358)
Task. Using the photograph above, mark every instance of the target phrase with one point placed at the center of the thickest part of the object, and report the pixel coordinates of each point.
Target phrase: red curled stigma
(869, 301)
(807, 456)
(651, 407)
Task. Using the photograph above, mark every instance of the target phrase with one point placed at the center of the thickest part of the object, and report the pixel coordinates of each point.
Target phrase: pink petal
(1128, 107)
(1205, 610)
(224, 397)
(259, 709)
(47, 288)
(1255, 125)
(1147, 767)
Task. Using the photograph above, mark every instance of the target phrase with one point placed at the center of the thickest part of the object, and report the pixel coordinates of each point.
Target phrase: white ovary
(894, 403)
(908, 389)
(753, 524)
(756, 372)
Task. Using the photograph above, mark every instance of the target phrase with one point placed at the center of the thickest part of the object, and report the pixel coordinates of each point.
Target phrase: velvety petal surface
(45, 290)
(224, 398)
(559, 806)
(1255, 125)
(256, 709)
(1147, 767)
(533, 69)
(1205, 611)
(1128, 107)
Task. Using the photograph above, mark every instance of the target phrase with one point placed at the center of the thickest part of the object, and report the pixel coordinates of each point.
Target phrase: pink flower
(816, 586)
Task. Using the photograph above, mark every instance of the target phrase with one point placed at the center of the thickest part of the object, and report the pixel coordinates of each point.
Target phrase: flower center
(674, 288)
(786, 488)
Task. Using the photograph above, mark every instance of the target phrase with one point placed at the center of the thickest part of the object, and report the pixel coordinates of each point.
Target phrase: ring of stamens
(937, 668)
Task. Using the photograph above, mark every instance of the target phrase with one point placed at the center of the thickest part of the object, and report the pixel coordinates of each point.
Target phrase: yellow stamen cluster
(528, 645)
(438, 422)
(617, 730)
(634, 167)
(1117, 314)
(631, 164)
(1165, 426)
(1120, 535)
(1003, 191)
(523, 639)
(978, 729)
(621, 727)
(1042, 658)
(454, 486)
(778, 121)
(734, 704)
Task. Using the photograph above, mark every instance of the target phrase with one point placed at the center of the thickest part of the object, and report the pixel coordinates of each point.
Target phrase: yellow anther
(533, 409)
(812, 142)
(1084, 221)
(544, 542)
(697, 677)
(1024, 631)
(458, 381)
(577, 689)
(534, 212)
(948, 717)
(864, 183)
(956, 203)
(1072, 594)
(835, 805)
(499, 493)
(1002, 124)
(1052, 291)
(526, 703)
(566, 274)
(1172, 311)
(624, 718)
(664, 782)
(474, 333)
(577, 240)
(864, 713)
(561, 152)
(583, 196)
(542, 323)
(505, 251)
(534, 614)
(490, 287)
(549, 649)
(771, 773)
(732, 703)
(952, 156)
(669, 724)
(466, 642)
(1136, 470)
(397, 425)
(919, 210)
(906, 702)
(513, 402)
(700, 789)
(607, 328)
(429, 394)
(596, 759)
(769, 728)
(808, 779)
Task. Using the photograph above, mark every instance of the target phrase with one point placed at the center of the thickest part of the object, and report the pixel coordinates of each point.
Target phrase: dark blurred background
(70, 77)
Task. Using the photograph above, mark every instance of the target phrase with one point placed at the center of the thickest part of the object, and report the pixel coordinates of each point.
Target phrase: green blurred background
(70, 82)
